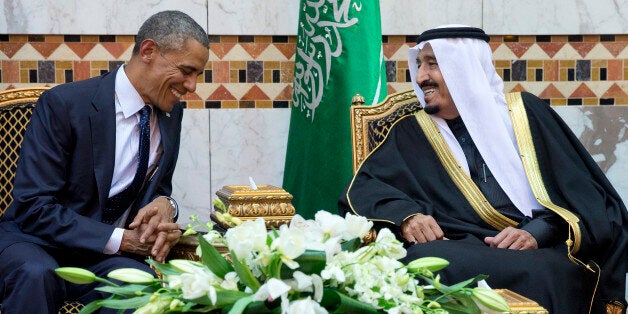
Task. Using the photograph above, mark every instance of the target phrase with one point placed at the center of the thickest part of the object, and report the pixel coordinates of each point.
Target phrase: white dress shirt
(128, 103)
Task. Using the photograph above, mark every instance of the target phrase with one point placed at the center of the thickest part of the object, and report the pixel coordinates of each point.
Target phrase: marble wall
(555, 17)
(279, 17)
(604, 133)
(573, 53)
(84, 17)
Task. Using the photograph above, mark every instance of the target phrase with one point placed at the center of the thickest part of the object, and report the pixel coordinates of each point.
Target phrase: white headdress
(467, 68)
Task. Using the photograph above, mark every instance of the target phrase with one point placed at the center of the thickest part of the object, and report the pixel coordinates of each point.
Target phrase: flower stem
(105, 281)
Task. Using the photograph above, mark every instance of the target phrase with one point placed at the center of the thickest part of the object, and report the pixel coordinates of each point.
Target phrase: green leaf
(223, 298)
(219, 205)
(336, 302)
(457, 303)
(91, 307)
(464, 284)
(468, 303)
(128, 290)
(276, 267)
(351, 245)
(132, 303)
(310, 262)
(164, 269)
(454, 308)
(240, 305)
(213, 260)
(258, 307)
(244, 273)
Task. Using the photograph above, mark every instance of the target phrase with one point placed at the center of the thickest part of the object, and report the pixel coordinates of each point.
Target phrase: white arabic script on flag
(318, 42)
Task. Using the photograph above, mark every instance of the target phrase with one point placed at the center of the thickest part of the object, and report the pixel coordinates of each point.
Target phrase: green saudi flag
(339, 54)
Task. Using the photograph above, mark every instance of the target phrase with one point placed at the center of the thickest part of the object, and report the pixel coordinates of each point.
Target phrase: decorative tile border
(257, 71)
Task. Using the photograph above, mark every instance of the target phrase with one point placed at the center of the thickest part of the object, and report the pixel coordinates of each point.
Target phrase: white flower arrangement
(308, 266)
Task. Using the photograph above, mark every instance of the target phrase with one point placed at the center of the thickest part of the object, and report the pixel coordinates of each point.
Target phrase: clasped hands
(423, 228)
(152, 231)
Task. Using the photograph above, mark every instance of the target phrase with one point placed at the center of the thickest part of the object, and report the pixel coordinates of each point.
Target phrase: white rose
(331, 224)
(231, 281)
(357, 227)
(199, 284)
(174, 282)
(271, 290)
(387, 245)
(246, 238)
(307, 283)
(290, 243)
(212, 236)
(306, 306)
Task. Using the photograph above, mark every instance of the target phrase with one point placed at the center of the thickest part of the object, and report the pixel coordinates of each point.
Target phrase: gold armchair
(16, 108)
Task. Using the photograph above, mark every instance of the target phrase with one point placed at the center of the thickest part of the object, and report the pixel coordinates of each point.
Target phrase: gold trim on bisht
(358, 170)
(462, 180)
(523, 134)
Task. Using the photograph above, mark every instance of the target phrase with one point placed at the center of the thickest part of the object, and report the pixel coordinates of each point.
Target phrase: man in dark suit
(94, 176)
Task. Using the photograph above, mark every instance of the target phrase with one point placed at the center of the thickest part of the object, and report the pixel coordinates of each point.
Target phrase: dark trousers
(545, 275)
(30, 285)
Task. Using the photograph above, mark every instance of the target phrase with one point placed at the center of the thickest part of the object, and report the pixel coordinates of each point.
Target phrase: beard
(432, 109)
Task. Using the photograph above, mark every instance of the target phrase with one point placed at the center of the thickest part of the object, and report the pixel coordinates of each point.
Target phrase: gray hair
(170, 30)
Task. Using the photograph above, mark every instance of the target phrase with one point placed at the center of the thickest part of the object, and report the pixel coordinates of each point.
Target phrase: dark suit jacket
(66, 165)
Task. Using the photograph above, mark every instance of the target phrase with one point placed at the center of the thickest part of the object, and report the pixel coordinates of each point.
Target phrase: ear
(148, 50)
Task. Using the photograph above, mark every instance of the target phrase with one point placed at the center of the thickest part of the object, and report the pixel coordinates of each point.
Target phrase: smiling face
(171, 74)
(438, 101)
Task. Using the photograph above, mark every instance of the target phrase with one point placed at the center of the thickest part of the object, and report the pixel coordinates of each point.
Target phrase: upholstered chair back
(370, 124)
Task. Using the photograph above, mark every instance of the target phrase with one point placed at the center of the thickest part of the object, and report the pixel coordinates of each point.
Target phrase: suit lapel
(103, 133)
(165, 124)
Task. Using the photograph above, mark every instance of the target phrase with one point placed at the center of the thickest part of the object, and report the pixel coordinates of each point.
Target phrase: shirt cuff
(113, 245)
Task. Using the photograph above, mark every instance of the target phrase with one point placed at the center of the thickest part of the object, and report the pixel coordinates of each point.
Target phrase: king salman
(495, 183)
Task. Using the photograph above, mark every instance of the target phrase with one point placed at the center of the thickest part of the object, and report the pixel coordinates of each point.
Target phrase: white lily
(271, 290)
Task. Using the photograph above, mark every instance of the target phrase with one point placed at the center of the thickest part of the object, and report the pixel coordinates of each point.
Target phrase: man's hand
(514, 239)
(421, 228)
(131, 243)
(154, 225)
(156, 212)
(168, 235)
